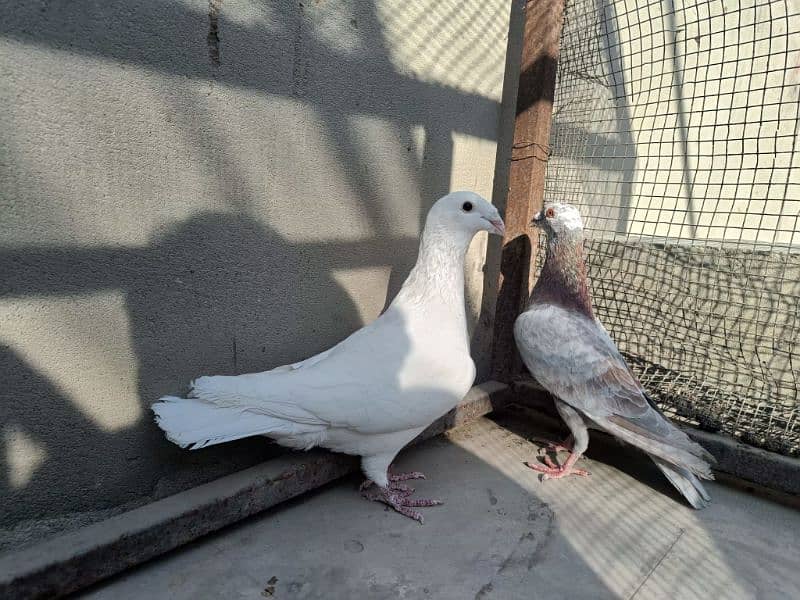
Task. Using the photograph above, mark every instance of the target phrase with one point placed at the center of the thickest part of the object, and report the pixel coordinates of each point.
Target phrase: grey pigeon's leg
(580, 435)
(549, 445)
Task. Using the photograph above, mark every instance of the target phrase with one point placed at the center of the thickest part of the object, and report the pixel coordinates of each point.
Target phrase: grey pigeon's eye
(467, 206)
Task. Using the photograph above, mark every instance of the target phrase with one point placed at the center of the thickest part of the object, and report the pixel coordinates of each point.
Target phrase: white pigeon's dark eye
(550, 213)
(466, 207)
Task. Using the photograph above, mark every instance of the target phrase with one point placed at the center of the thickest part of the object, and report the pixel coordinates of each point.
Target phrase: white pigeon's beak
(537, 218)
(499, 226)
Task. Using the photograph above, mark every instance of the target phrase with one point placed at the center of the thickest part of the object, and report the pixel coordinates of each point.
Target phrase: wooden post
(529, 154)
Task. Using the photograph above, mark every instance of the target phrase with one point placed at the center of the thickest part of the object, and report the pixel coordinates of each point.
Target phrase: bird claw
(421, 502)
(551, 470)
(549, 462)
(394, 482)
(407, 476)
(551, 446)
(401, 488)
(397, 495)
(564, 472)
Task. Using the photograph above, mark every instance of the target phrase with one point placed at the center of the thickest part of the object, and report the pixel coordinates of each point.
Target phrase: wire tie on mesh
(532, 147)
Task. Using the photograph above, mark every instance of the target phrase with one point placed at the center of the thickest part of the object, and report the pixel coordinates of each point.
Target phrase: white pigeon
(569, 352)
(375, 391)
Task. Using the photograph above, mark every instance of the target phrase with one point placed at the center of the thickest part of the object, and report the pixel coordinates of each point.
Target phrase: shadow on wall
(201, 299)
(204, 296)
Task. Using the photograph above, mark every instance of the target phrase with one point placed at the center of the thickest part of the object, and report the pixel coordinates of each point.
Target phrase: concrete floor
(620, 533)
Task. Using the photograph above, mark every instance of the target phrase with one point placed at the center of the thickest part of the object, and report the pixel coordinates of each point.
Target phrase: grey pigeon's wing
(576, 360)
(573, 357)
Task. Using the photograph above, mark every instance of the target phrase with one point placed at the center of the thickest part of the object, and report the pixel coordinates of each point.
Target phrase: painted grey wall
(193, 187)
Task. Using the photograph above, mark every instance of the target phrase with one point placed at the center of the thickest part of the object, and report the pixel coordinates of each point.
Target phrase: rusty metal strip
(529, 154)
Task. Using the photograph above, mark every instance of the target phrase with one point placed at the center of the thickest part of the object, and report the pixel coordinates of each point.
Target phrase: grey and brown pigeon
(569, 352)
(375, 391)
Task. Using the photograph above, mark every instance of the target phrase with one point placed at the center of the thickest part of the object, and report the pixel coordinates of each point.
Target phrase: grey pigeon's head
(466, 212)
(559, 219)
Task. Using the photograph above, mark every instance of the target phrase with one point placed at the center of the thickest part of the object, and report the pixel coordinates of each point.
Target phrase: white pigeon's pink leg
(398, 495)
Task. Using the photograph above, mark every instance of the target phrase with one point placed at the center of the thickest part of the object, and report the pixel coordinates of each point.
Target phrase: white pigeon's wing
(311, 360)
(576, 360)
(358, 384)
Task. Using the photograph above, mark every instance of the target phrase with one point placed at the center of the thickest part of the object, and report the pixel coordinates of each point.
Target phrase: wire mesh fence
(675, 131)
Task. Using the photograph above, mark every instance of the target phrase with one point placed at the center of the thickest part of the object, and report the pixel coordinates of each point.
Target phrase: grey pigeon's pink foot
(553, 471)
(549, 445)
(398, 495)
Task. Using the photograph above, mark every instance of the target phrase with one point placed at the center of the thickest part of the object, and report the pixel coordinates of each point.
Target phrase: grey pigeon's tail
(686, 483)
(682, 460)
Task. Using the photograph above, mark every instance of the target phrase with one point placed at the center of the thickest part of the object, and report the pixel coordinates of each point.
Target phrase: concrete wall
(211, 187)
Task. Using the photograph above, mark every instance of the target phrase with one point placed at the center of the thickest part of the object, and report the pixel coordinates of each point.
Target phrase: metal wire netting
(675, 131)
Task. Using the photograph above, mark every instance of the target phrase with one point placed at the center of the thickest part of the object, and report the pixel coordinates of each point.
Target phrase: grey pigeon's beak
(499, 226)
(538, 218)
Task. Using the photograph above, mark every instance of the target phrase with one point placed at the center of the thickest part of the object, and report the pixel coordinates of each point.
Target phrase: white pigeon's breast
(452, 373)
(438, 355)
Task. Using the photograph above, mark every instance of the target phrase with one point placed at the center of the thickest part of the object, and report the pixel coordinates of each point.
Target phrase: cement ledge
(85, 556)
(77, 559)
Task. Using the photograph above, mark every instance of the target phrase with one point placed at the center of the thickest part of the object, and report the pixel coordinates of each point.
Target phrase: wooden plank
(529, 155)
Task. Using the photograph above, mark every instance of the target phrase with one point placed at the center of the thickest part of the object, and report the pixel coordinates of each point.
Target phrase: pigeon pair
(375, 391)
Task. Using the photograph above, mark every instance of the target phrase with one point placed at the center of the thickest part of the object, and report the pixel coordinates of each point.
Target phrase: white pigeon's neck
(438, 275)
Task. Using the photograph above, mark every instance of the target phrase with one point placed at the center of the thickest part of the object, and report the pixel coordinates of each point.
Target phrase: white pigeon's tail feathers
(685, 482)
(192, 423)
(273, 394)
(229, 390)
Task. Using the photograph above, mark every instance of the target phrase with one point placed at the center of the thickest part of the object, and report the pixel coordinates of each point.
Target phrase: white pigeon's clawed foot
(406, 476)
(398, 495)
(551, 470)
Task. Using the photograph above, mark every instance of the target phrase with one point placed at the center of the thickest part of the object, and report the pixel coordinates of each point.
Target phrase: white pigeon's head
(466, 212)
(559, 219)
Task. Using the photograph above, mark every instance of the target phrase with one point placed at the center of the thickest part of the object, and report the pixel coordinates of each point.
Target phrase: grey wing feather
(574, 358)
(686, 482)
